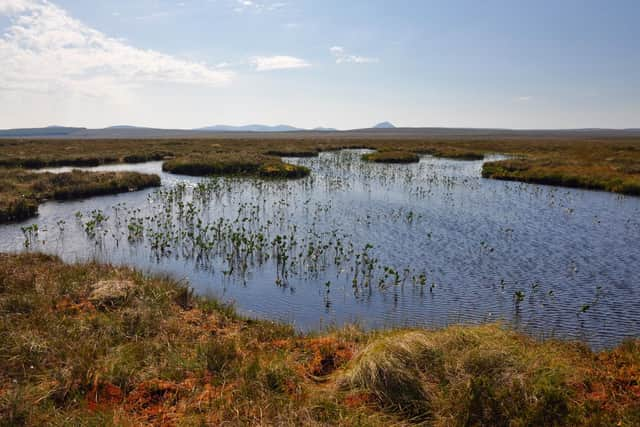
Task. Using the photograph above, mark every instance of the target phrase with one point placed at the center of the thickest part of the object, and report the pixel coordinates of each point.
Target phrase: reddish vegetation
(328, 354)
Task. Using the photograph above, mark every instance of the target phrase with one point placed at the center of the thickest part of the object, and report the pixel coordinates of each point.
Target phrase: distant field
(610, 163)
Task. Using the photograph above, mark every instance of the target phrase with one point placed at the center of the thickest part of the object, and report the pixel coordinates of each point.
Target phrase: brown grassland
(95, 344)
(611, 164)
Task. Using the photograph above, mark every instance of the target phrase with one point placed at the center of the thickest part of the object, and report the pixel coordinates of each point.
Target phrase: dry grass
(603, 163)
(21, 191)
(157, 355)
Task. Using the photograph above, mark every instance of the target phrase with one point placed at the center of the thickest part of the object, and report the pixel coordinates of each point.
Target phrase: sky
(307, 63)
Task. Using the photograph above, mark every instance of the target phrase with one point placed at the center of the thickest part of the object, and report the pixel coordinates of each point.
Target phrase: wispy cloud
(342, 56)
(44, 49)
(270, 63)
(524, 98)
(257, 6)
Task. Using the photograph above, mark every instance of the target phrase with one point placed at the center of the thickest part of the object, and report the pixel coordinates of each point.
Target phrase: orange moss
(328, 354)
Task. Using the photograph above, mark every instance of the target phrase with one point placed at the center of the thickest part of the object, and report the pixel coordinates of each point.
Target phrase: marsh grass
(567, 173)
(22, 191)
(164, 356)
(235, 163)
(391, 156)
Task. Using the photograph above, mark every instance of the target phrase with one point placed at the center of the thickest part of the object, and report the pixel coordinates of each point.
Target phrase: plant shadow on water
(429, 244)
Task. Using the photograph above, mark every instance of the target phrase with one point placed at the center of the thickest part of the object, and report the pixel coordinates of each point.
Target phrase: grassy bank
(562, 173)
(611, 164)
(235, 163)
(21, 191)
(94, 345)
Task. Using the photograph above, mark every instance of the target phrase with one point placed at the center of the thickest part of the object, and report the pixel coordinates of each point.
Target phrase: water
(446, 246)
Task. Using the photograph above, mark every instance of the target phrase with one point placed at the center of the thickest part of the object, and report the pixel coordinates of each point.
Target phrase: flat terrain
(98, 345)
(596, 159)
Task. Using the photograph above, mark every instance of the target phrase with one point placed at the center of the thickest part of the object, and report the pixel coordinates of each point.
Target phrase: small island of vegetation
(393, 156)
(235, 163)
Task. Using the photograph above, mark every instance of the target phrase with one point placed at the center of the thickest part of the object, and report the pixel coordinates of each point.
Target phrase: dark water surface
(382, 245)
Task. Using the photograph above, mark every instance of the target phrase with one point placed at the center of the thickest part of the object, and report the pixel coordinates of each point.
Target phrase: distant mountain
(384, 125)
(39, 132)
(126, 127)
(383, 130)
(249, 128)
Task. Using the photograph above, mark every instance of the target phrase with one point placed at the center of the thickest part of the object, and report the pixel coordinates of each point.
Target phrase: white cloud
(270, 63)
(257, 6)
(45, 50)
(342, 57)
(524, 98)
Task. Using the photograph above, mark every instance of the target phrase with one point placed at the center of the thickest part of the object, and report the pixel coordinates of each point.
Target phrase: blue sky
(344, 64)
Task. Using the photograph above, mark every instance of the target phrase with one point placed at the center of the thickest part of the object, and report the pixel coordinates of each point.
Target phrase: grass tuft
(392, 156)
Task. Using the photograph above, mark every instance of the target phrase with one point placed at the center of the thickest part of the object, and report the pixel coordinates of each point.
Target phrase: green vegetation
(95, 344)
(21, 191)
(237, 163)
(394, 156)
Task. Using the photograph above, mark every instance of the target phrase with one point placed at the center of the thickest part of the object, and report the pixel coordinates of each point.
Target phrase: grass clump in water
(391, 156)
(236, 163)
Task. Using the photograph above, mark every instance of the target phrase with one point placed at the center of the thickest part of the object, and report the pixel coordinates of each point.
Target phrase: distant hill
(261, 131)
(39, 132)
(249, 128)
(384, 125)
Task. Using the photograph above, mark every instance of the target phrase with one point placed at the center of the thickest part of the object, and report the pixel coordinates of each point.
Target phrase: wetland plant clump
(391, 156)
(157, 354)
(237, 163)
(21, 191)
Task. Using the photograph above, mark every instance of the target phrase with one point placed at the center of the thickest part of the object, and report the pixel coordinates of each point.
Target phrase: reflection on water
(383, 245)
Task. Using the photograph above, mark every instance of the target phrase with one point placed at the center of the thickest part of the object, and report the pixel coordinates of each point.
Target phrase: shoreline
(97, 343)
